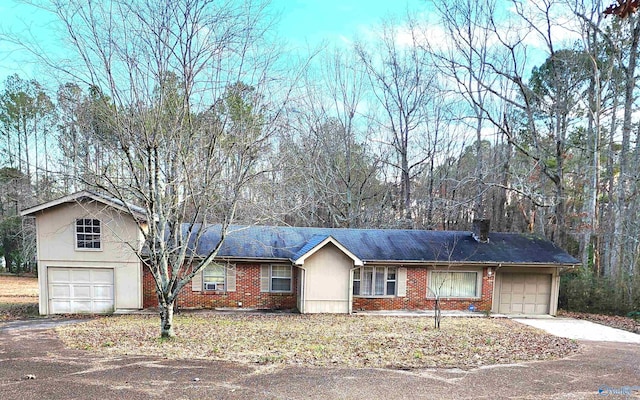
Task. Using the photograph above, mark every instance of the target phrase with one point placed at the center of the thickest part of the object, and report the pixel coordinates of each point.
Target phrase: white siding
(327, 281)
(56, 249)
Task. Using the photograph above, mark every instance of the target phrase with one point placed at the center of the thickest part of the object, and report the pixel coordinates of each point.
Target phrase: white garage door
(80, 290)
(525, 293)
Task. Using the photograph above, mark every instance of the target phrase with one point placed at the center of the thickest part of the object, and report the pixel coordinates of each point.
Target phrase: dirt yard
(322, 340)
(18, 297)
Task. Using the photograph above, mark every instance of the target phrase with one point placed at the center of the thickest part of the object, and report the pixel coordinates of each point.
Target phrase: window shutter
(231, 278)
(196, 282)
(264, 278)
(402, 282)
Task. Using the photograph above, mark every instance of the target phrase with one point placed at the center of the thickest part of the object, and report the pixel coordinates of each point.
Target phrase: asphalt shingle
(268, 242)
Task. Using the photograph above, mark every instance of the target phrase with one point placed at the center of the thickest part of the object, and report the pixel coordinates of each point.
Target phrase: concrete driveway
(599, 368)
(581, 330)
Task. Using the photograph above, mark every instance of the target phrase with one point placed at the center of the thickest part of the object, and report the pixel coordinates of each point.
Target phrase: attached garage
(525, 293)
(80, 290)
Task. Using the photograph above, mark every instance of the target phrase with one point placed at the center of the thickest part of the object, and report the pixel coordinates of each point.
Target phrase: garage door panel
(102, 276)
(102, 306)
(59, 274)
(56, 291)
(80, 276)
(80, 290)
(523, 293)
(81, 306)
(60, 307)
(516, 307)
(103, 292)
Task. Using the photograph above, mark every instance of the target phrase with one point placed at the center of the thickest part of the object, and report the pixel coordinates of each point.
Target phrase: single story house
(86, 263)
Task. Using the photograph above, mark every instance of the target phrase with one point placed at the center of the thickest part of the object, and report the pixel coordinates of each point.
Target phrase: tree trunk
(166, 319)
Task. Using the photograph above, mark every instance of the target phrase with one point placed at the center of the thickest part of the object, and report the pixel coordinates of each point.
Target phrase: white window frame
(224, 278)
(272, 277)
(358, 276)
(79, 223)
(432, 295)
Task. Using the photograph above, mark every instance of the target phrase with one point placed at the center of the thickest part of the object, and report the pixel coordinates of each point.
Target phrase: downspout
(302, 277)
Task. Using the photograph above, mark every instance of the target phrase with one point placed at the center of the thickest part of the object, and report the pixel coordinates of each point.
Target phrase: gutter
(470, 263)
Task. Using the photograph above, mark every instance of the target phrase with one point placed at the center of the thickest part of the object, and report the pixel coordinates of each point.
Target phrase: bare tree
(184, 86)
(402, 85)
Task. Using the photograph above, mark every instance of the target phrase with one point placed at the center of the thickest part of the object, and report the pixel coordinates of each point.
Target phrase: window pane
(214, 273)
(454, 284)
(367, 281)
(213, 279)
(214, 269)
(281, 271)
(356, 274)
(391, 274)
(88, 233)
(379, 281)
(281, 284)
(391, 288)
(356, 288)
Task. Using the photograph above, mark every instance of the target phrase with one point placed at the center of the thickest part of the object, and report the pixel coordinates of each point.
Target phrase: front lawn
(338, 340)
(18, 297)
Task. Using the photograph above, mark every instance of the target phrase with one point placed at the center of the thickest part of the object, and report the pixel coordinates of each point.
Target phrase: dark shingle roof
(269, 242)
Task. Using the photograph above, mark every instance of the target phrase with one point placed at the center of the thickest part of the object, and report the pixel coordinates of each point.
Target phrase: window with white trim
(453, 284)
(213, 277)
(375, 281)
(88, 234)
(280, 278)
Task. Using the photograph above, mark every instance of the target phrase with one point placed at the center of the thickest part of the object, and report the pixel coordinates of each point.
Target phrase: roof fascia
(74, 197)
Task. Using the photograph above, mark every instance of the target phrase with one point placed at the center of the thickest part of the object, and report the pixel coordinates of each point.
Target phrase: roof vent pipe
(480, 231)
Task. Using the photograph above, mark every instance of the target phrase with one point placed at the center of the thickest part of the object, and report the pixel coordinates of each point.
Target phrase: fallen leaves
(338, 340)
(614, 321)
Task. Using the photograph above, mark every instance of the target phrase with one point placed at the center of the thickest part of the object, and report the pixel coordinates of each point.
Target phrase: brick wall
(247, 292)
(416, 298)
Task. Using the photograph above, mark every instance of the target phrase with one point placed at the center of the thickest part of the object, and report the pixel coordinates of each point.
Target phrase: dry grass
(339, 340)
(18, 297)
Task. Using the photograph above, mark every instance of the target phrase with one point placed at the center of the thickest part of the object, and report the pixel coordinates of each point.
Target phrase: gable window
(374, 281)
(88, 234)
(276, 278)
(213, 277)
(453, 284)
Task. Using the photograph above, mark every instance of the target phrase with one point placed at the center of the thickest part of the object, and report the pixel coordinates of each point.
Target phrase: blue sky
(332, 20)
(302, 23)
